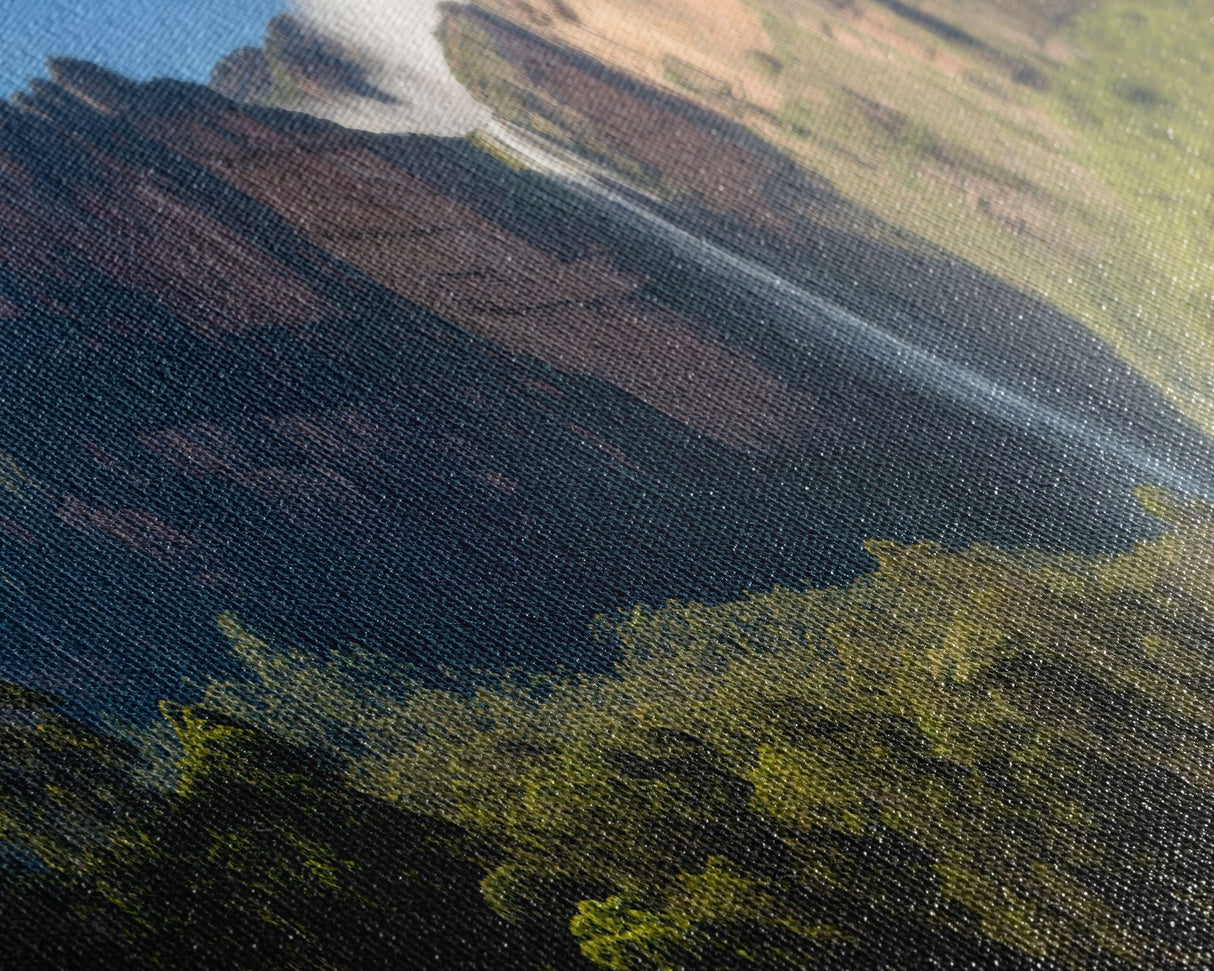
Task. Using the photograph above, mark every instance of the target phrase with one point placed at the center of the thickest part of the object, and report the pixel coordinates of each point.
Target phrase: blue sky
(140, 38)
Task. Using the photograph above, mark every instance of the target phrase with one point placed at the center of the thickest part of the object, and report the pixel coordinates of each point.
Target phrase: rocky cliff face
(389, 390)
(258, 361)
(350, 197)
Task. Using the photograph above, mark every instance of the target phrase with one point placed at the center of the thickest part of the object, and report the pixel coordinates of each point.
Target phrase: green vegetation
(1065, 147)
(1137, 94)
(767, 65)
(284, 91)
(256, 857)
(488, 76)
(1089, 187)
(980, 755)
(690, 77)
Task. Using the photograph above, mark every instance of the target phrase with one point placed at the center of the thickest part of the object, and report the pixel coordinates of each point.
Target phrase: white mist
(395, 40)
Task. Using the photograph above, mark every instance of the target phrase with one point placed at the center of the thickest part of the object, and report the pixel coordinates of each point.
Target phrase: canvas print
(647, 485)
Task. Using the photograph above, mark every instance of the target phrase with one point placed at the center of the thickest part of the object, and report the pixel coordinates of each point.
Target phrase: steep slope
(705, 152)
(1061, 147)
(388, 390)
(227, 385)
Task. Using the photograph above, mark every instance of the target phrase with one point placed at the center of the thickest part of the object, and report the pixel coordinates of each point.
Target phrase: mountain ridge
(226, 395)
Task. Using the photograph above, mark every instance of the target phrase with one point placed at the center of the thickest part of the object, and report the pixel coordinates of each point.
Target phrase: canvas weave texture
(645, 485)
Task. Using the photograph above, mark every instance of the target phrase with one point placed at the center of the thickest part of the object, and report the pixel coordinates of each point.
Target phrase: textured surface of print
(636, 484)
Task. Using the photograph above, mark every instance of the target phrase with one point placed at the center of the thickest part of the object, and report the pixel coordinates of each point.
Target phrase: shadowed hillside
(265, 361)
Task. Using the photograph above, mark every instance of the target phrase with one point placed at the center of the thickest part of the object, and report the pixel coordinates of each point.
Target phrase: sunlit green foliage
(962, 753)
(979, 757)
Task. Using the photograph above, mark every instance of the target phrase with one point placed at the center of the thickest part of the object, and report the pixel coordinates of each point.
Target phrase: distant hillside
(1059, 146)
(393, 387)
(1064, 147)
(693, 110)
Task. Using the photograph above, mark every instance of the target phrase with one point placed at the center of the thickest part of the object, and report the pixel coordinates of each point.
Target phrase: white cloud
(395, 40)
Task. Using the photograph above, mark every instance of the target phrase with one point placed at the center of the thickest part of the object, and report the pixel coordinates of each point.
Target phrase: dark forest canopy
(974, 757)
